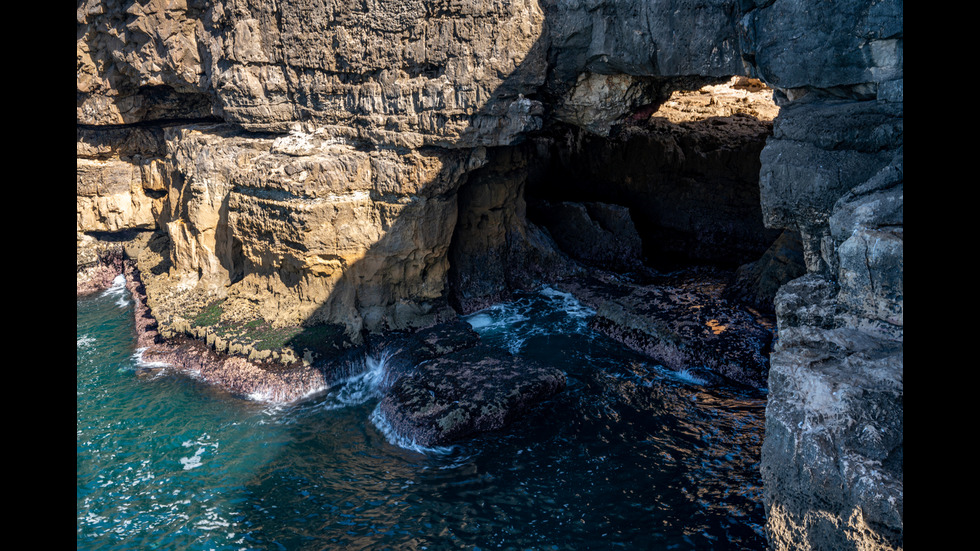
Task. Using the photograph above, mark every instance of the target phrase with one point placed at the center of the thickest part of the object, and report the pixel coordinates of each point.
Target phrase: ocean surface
(630, 456)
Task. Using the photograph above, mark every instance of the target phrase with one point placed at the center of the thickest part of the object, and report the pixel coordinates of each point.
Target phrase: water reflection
(629, 455)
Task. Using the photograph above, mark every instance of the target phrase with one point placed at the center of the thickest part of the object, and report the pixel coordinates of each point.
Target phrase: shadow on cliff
(402, 281)
(462, 239)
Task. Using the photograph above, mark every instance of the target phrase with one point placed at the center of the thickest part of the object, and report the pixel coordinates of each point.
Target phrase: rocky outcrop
(756, 283)
(832, 458)
(682, 322)
(477, 389)
(597, 234)
(306, 176)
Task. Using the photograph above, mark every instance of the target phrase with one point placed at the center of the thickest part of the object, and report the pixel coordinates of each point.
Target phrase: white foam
(688, 377)
(118, 290)
(194, 461)
(568, 303)
(381, 423)
(138, 358)
(497, 317)
(354, 390)
(479, 321)
(84, 341)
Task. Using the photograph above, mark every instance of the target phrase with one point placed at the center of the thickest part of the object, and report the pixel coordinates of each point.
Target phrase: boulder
(473, 390)
(598, 234)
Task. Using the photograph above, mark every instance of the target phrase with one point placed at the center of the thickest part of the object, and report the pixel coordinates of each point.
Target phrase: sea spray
(677, 459)
(381, 423)
(118, 291)
(368, 375)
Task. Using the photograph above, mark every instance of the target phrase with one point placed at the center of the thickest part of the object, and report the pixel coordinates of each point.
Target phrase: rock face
(832, 458)
(307, 176)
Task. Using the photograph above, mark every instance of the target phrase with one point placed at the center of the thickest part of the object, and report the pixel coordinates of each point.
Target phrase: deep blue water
(630, 456)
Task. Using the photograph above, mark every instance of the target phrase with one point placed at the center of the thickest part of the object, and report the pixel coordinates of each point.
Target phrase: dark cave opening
(667, 190)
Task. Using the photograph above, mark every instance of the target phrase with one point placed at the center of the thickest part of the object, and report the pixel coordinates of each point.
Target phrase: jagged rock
(97, 266)
(692, 187)
(834, 437)
(850, 46)
(680, 325)
(344, 213)
(477, 389)
(756, 283)
(599, 234)
(401, 352)
(495, 249)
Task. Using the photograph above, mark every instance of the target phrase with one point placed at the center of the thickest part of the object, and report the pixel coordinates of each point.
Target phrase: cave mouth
(688, 173)
(670, 188)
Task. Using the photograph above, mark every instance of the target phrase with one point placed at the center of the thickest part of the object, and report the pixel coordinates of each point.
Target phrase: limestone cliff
(311, 172)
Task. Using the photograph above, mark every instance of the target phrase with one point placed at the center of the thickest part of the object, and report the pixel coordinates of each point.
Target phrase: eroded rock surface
(832, 459)
(477, 389)
(682, 322)
(315, 172)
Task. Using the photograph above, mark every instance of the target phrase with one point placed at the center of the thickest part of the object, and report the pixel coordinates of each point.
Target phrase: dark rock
(796, 43)
(683, 326)
(692, 188)
(477, 389)
(402, 352)
(597, 234)
(495, 249)
(680, 37)
(756, 283)
(96, 271)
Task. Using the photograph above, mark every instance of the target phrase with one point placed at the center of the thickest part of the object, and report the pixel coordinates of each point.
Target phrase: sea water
(629, 456)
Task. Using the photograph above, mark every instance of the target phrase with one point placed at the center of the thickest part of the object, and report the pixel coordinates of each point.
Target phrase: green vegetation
(210, 315)
(261, 335)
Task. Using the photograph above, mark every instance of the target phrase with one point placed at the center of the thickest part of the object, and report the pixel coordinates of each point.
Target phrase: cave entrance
(687, 171)
(674, 186)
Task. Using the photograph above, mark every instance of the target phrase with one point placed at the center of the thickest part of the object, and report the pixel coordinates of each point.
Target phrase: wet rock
(683, 325)
(477, 389)
(97, 265)
(401, 352)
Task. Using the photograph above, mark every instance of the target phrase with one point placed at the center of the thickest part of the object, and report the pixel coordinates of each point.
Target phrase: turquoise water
(630, 456)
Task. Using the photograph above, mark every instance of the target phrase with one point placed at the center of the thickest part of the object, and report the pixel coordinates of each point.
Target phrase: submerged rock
(473, 390)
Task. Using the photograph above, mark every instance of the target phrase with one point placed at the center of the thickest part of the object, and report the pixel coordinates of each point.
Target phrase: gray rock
(832, 459)
(756, 283)
(843, 45)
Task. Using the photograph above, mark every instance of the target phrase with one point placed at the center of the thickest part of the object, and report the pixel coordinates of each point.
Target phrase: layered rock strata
(304, 176)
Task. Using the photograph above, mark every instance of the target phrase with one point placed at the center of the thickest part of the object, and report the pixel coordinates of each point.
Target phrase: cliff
(292, 178)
